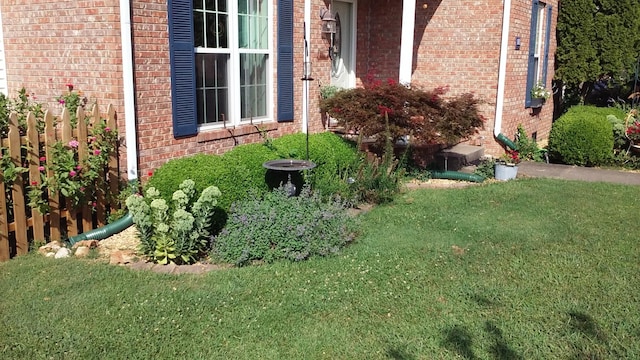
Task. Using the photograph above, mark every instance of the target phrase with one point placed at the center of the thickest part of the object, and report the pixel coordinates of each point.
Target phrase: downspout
(130, 127)
(406, 42)
(502, 76)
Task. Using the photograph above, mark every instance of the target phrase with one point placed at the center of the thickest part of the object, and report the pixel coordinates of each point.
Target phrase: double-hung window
(221, 63)
(538, 46)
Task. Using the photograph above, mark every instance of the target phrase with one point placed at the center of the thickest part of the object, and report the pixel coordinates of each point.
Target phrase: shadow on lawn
(459, 339)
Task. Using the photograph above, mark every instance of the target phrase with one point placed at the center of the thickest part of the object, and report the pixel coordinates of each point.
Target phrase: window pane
(253, 85)
(252, 24)
(216, 30)
(212, 87)
(198, 28)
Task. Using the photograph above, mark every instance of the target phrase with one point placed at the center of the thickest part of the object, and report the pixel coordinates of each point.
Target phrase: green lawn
(528, 269)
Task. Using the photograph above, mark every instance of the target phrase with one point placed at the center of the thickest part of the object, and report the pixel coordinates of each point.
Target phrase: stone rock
(91, 244)
(50, 254)
(51, 247)
(62, 253)
(82, 251)
(122, 257)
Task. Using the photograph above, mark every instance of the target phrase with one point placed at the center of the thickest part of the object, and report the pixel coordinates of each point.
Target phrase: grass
(528, 269)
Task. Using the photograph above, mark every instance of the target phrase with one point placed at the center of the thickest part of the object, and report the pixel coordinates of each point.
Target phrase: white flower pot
(506, 172)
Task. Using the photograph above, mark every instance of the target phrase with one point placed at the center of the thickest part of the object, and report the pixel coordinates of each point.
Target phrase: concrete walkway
(569, 172)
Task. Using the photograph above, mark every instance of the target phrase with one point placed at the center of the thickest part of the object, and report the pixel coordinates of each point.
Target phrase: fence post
(72, 215)
(54, 197)
(81, 126)
(4, 220)
(33, 158)
(19, 211)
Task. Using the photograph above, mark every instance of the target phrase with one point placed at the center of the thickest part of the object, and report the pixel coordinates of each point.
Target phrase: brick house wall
(50, 43)
(457, 45)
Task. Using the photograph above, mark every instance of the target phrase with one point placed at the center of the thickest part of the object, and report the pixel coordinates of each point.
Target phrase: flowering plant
(633, 126)
(510, 157)
(78, 180)
(539, 91)
(72, 100)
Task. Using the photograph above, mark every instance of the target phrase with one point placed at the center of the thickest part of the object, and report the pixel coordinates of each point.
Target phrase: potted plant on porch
(506, 167)
(539, 94)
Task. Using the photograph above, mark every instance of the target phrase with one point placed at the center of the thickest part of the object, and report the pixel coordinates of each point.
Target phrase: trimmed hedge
(238, 171)
(582, 136)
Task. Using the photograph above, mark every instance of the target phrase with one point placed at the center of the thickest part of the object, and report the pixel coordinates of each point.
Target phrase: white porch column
(406, 42)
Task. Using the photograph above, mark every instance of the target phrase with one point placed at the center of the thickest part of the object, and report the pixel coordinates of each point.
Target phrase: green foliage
(486, 168)
(240, 170)
(72, 100)
(336, 160)
(176, 233)
(619, 131)
(328, 91)
(378, 179)
(596, 40)
(78, 180)
(582, 136)
(425, 116)
(275, 226)
(21, 105)
(527, 147)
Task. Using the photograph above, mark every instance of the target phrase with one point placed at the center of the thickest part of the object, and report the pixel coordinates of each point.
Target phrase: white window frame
(233, 118)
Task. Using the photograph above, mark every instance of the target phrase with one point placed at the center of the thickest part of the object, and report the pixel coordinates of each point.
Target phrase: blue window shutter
(183, 69)
(285, 60)
(547, 39)
(532, 51)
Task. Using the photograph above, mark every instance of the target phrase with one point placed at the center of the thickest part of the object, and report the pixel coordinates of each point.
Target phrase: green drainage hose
(505, 140)
(456, 175)
(105, 231)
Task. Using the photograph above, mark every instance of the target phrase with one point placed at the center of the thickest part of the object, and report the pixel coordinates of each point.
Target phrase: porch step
(458, 156)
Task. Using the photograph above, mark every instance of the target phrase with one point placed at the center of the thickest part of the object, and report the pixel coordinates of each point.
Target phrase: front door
(343, 62)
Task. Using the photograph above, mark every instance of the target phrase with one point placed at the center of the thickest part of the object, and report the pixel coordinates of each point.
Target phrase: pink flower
(40, 168)
(107, 129)
(78, 167)
(82, 188)
(43, 159)
(61, 101)
(92, 139)
(72, 173)
(74, 143)
(34, 183)
(94, 204)
(96, 152)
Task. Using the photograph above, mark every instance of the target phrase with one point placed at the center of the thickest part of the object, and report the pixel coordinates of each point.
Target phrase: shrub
(202, 169)
(426, 116)
(275, 226)
(379, 178)
(527, 147)
(336, 159)
(582, 136)
(486, 168)
(175, 232)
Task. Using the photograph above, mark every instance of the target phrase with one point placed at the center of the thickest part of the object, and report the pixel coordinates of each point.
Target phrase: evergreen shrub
(582, 136)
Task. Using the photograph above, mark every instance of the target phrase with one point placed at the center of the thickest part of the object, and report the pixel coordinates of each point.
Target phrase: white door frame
(354, 25)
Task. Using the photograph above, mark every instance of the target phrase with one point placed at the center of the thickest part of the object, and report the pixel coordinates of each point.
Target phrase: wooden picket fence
(19, 224)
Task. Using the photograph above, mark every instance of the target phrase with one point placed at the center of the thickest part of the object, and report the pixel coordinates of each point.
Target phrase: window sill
(235, 131)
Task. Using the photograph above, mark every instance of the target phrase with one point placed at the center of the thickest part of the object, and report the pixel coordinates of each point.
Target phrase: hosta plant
(177, 232)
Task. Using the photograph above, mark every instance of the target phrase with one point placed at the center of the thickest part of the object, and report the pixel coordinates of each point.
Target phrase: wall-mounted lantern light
(518, 42)
(329, 27)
